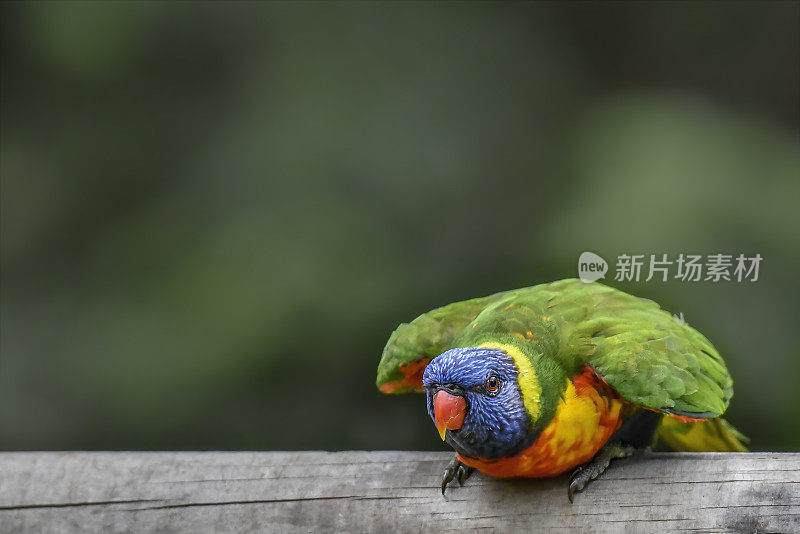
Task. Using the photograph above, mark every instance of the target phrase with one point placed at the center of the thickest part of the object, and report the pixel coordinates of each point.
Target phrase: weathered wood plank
(377, 491)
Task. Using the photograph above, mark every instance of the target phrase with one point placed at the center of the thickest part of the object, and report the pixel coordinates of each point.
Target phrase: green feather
(427, 336)
(649, 357)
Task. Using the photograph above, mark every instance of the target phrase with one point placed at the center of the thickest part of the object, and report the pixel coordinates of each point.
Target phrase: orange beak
(449, 411)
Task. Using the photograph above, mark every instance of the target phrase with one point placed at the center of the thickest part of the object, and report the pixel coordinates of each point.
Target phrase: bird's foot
(597, 466)
(455, 470)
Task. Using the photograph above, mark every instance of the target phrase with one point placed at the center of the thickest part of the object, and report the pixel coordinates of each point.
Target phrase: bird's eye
(493, 384)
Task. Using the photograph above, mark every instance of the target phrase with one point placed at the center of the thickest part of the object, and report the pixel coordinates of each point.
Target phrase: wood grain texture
(386, 491)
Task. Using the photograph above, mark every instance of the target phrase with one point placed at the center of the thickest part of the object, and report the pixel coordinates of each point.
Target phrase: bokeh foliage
(213, 214)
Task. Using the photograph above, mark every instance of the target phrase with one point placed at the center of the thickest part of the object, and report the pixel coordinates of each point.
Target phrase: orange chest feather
(587, 415)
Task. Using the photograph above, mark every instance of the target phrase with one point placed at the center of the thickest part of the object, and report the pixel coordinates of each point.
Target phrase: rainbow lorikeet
(537, 381)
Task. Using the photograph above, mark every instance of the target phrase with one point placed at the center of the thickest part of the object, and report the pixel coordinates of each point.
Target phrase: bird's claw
(596, 467)
(463, 473)
(455, 470)
(576, 483)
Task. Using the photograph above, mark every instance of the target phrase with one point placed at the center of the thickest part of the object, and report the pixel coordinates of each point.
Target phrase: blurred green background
(214, 214)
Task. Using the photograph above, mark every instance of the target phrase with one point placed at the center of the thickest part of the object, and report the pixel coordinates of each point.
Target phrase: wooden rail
(386, 491)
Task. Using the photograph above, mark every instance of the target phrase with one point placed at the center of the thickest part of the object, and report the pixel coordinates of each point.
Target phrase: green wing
(648, 356)
(656, 360)
(651, 358)
(412, 345)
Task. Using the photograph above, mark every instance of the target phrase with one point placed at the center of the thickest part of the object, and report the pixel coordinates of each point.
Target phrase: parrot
(568, 375)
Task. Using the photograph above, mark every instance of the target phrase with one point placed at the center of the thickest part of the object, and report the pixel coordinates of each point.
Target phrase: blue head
(474, 393)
